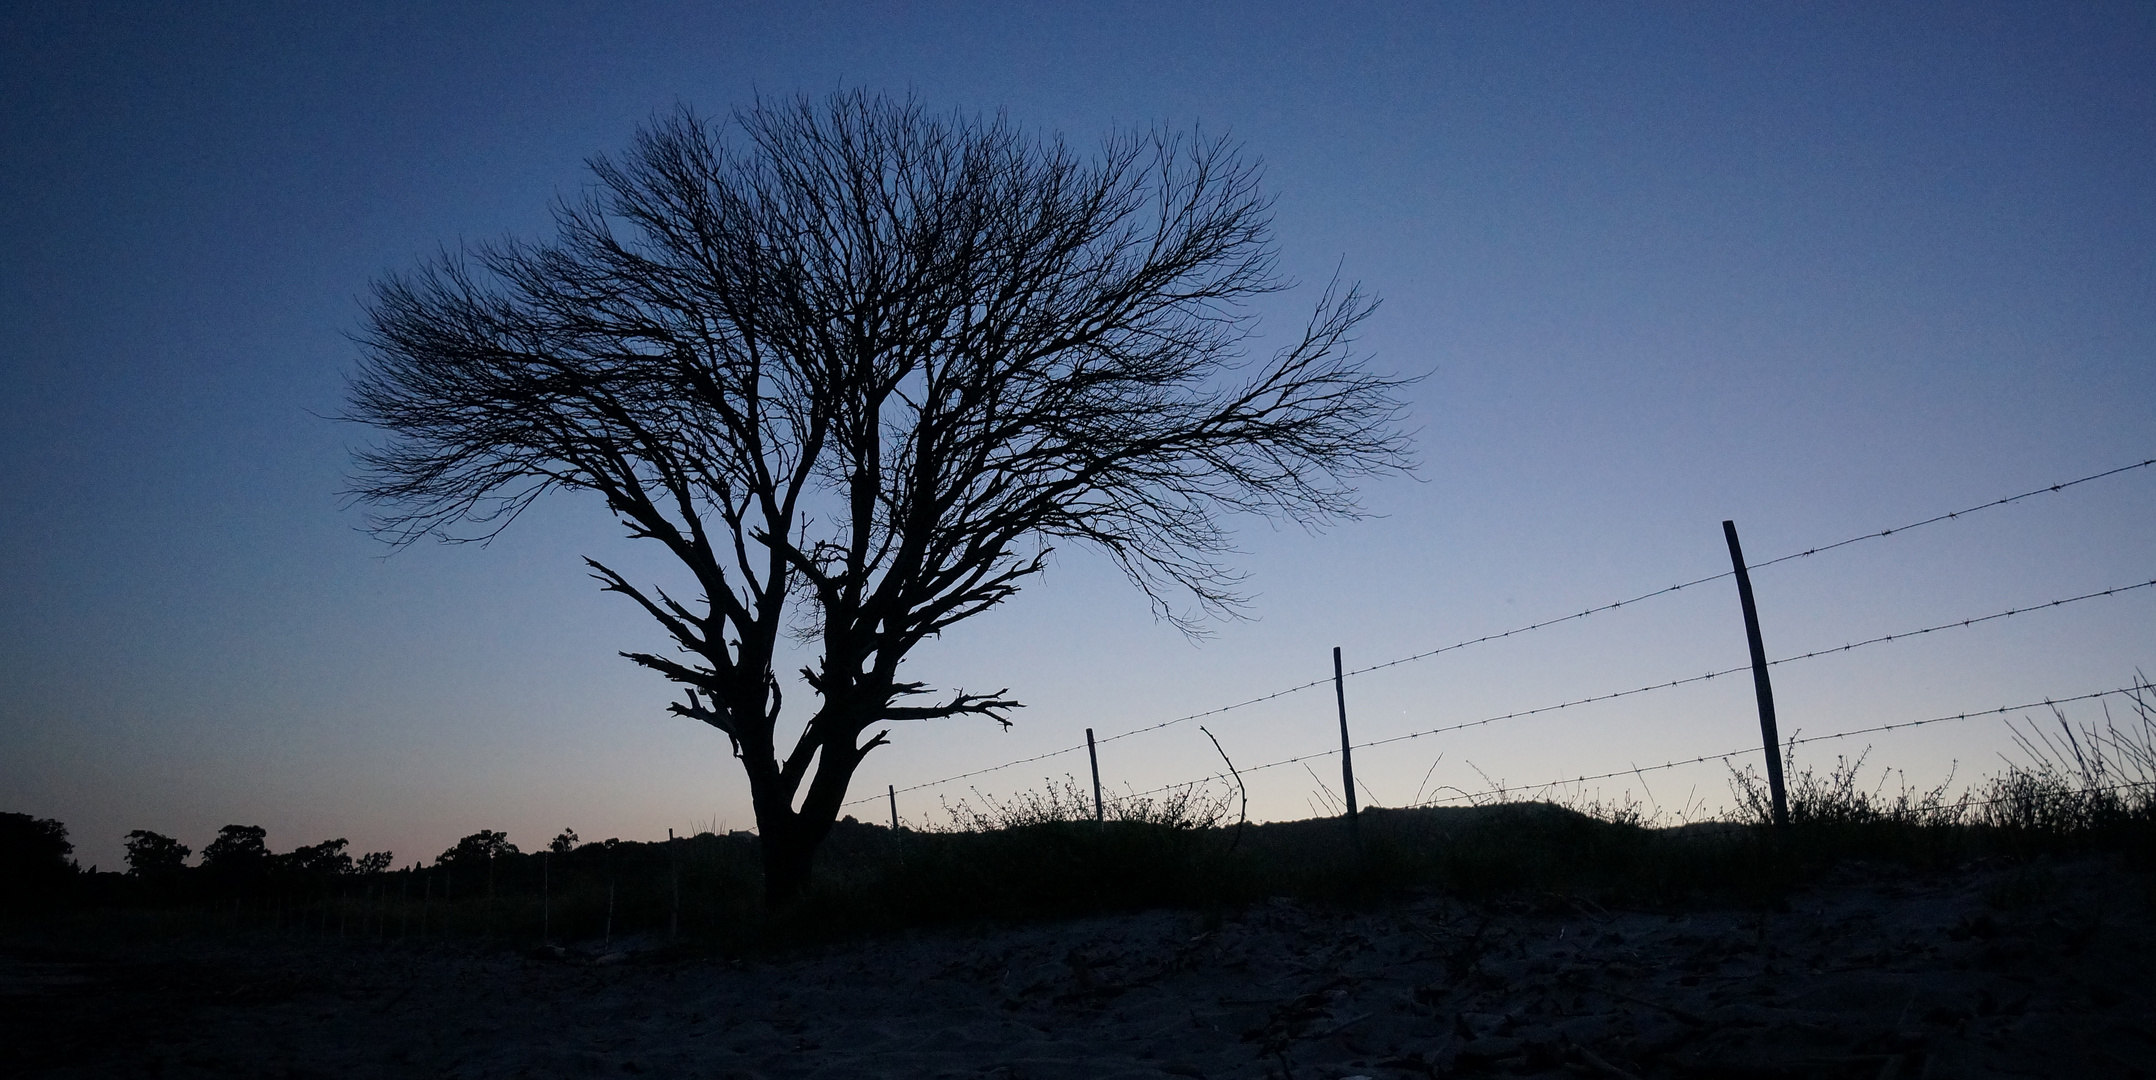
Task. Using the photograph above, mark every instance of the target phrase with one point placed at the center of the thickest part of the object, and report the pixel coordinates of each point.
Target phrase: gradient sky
(1821, 269)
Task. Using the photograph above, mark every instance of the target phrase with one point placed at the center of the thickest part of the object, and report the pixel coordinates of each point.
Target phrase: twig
(1332, 801)
(1245, 818)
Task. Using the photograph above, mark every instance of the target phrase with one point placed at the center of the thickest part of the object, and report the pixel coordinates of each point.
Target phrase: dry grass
(1042, 855)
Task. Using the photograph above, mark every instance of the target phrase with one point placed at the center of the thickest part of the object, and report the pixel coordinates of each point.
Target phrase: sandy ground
(2041, 970)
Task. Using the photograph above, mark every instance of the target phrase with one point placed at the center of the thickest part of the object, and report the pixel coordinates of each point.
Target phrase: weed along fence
(1770, 749)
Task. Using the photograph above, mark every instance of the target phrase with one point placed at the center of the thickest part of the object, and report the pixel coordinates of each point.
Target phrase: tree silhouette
(152, 857)
(476, 849)
(34, 866)
(322, 861)
(858, 369)
(238, 858)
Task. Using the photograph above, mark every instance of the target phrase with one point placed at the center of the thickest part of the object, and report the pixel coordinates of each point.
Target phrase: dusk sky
(1822, 269)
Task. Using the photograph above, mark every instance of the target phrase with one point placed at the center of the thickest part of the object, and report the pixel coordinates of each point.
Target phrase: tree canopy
(155, 856)
(34, 863)
(859, 369)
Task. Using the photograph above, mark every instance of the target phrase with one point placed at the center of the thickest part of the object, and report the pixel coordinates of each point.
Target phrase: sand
(2013, 970)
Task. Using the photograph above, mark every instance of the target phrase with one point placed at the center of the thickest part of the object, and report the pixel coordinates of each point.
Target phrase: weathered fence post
(898, 839)
(546, 897)
(1760, 684)
(673, 863)
(1100, 816)
(1347, 761)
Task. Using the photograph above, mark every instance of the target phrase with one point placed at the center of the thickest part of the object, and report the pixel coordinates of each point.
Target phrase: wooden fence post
(1347, 760)
(1100, 817)
(1761, 687)
(673, 862)
(892, 791)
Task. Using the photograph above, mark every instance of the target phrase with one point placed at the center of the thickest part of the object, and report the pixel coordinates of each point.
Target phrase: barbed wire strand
(1955, 514)
(1425, 655)
(1882, 639)
(1958, 623)
(1598, 697)
(1958, 804)
(1752, 566)
(1080, 746)
(1806, 740)
(1629, 771)
(2125, 785)
(1771, 663)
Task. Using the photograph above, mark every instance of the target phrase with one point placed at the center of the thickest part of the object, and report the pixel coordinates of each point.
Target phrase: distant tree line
(619, 894)
(238, 861)
(482, 886)
(39, 871)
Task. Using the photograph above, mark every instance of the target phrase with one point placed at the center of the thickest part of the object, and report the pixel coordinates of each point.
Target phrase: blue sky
(1818, 268)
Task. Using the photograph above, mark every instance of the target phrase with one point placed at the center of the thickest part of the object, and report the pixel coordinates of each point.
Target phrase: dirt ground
(2010, 970)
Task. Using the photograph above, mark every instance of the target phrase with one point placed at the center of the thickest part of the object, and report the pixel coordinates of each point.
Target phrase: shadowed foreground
(2033, 968)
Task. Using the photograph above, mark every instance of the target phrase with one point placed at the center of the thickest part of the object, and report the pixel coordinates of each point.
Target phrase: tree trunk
(789, 851)
(789, 837)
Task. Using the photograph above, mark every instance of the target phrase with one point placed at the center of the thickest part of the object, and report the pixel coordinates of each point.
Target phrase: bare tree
(858, 368)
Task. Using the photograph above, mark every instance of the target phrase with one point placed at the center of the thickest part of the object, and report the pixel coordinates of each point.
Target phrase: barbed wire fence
(1499, 790)
(1634, 770)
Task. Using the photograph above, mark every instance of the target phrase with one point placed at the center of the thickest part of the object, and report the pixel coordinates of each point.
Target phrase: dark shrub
(35, 870)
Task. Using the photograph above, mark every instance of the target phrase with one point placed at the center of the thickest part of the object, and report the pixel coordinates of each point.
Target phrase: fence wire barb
(1554, 622)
